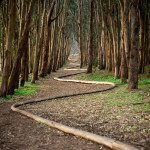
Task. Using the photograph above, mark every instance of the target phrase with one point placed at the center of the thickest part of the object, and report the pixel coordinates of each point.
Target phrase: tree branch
(57, 15)
(51, 13)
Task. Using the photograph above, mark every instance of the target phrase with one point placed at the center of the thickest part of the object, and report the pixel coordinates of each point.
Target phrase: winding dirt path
(19, 132)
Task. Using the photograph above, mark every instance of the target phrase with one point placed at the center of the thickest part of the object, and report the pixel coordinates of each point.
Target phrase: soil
(89, 114)
(18, 132)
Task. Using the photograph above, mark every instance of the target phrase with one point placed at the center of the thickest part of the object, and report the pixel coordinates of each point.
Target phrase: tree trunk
(22, 43)
(8, 52)
(54, 48)
(31, 56)
(126, 30)
(102, 46)
(40, 46)
(91, 44)
(133, 63)
(80, 33)
(24, 65)
(123, 67)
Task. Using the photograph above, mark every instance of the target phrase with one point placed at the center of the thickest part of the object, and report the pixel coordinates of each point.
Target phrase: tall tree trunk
(31, 56)
(118, 48)
(91, 44)
(126, 30)
(80, 33)
(24, 65)
(40, 46)
(9, 45)
(23, 10)
(99, 28)
(142, 47)
(44, 69)
(54, 48)
(22, 43)
(123, 67)
(147, 36)
(102, 46)
(51, 51)
(3, 49)
(133, 63)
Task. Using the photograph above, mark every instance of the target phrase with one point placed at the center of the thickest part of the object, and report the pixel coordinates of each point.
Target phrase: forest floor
(110, 114)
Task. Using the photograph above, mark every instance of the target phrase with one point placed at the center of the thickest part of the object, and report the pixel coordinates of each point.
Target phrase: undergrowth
(28, 89)
(103, 76)
(138, 100)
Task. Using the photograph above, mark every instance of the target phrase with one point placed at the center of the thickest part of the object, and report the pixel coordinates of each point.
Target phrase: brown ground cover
(86, 112)
(18, 132)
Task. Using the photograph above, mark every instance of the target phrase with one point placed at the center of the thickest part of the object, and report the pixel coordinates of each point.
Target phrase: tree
(47, 37)
(9, 46)
(22, 44)
(80, 31)
(133, 62)
(91, 36)
(39, 46)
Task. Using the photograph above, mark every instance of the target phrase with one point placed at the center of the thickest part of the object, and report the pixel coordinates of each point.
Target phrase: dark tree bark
(22, 44)
(44, 69)
(46, 51)
(24, 65)
(133, 63)
(39, 48)
(123, 67)
(8, 52)
(126, 30)
(80, 39)
(54, 48)
(91, 42)
(31, 56)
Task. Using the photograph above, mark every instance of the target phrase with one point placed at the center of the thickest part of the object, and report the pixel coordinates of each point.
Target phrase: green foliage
(103, 76)
(147, 70)
(142, 108)
(144, 81)
(106, 76)
(28, 89)
(121, 96)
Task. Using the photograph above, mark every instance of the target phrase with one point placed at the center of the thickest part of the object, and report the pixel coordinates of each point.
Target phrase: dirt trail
(18, 132)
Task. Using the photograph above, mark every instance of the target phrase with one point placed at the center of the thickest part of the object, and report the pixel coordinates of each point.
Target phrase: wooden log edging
(108, 142)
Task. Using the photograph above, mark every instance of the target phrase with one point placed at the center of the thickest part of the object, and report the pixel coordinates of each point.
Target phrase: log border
(108, 142)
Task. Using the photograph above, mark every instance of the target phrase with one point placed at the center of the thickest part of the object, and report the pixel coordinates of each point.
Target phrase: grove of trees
(36, 37)
(116, 34)
(33, 40)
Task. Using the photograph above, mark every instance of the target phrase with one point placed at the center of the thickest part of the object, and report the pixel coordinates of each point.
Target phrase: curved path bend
(87, 87)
